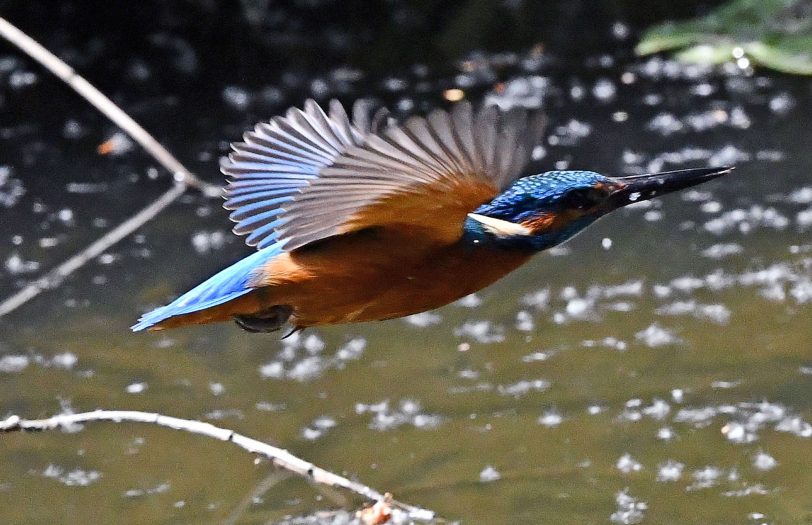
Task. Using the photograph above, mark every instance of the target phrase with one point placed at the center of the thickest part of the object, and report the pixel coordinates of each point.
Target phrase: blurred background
(656, 369)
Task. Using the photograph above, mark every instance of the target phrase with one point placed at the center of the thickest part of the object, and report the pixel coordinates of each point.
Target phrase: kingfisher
(367, 218)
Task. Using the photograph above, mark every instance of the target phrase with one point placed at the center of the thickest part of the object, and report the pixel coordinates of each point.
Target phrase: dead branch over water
(54, 277)
(279, 457)
(100, 101)
(183, 178)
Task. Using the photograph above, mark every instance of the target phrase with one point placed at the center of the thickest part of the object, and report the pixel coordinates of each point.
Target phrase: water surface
(655, 369)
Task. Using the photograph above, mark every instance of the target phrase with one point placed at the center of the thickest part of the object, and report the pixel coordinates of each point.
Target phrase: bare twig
(270, 481)
(279, 457)
(99, 100)
(182, 176)
(55, 277)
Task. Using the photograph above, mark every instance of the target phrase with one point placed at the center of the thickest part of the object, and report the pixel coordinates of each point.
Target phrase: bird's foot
(269, 320)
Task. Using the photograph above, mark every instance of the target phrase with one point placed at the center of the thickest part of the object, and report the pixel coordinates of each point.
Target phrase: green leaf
(773, 33)
(707, 54)
(656, 40)
(784, 60)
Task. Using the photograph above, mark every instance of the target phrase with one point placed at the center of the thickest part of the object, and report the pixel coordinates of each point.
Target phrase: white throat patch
(499, 227)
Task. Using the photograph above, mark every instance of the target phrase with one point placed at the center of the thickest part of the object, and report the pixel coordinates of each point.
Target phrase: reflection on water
(657, 369)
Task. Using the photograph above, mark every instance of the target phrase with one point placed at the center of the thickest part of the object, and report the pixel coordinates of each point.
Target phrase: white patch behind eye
(499, 227)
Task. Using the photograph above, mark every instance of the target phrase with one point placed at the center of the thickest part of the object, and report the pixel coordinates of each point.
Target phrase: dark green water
(657, 369)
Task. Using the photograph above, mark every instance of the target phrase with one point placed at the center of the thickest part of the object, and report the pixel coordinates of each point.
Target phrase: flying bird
(367, 219)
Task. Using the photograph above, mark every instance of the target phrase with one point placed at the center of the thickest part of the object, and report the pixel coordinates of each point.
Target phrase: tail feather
(225, 286)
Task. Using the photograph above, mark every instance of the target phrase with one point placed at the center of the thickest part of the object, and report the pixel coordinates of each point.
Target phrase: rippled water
(656, 369)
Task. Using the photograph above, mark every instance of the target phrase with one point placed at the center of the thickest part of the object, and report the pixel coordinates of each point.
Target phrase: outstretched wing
(308, 176)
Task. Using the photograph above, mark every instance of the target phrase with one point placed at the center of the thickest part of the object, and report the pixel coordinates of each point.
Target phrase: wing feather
(463, 119)
(311, 175)
(423, 135)
(340, 124)
(282, 140)
(410, 145)
(246, 211)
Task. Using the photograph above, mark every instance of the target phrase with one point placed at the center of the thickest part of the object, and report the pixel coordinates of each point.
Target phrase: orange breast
(378, 275)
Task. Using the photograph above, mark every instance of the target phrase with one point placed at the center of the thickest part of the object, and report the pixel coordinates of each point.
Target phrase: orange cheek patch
(541, 223)
(547, 222)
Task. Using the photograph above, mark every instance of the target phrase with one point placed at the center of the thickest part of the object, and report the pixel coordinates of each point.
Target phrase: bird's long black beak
(638, 188)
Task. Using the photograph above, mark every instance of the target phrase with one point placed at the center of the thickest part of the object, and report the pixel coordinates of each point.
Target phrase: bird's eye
(584, 199)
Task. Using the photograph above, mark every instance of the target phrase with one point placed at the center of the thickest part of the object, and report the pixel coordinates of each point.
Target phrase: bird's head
(541, 211)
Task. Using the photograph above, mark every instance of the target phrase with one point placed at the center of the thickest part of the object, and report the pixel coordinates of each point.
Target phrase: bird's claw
(269, 320)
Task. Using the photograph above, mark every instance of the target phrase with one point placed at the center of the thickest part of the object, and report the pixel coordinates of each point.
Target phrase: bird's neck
(476, 234)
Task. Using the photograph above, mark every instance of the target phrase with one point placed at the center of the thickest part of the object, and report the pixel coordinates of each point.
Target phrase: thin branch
(55, 277)
(99, 100)
(182, 176)
(270, 481)
(279, 457)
